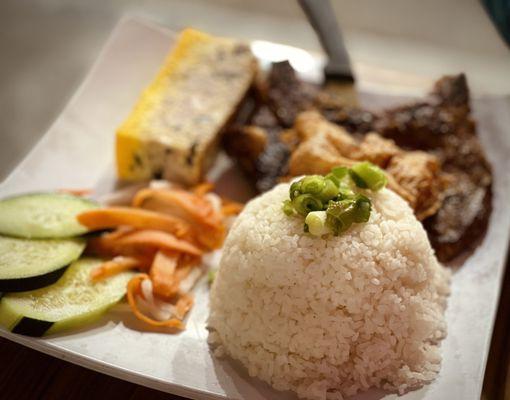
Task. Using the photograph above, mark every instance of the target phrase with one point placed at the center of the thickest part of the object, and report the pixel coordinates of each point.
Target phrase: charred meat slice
(462, 219)
(355, 119)
(258, 142)
(443, 125)
(286, 94)
(259, 149)
(246, 143)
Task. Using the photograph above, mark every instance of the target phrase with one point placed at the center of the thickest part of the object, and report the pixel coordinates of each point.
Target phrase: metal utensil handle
(321, 16)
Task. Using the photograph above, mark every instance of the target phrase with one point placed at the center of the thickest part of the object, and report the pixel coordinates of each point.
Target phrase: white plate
(77, 152)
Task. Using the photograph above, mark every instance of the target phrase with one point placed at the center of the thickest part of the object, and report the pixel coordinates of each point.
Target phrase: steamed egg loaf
(174, 129)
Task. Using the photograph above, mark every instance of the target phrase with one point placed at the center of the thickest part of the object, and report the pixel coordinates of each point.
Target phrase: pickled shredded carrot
(113, 267)
(133, 290)
(183, 305)
(231, 209)
(203, 188)
(112, 217)
(164, 234)
(162, 274)
(76, 192)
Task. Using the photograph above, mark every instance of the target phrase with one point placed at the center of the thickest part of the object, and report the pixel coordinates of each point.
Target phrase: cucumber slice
(43, 215)
(30, 264)
(71, 302)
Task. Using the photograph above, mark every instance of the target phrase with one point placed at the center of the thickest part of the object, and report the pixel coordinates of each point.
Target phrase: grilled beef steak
(443, 125)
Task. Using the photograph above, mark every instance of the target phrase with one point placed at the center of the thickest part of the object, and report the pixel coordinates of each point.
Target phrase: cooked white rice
(328, 317)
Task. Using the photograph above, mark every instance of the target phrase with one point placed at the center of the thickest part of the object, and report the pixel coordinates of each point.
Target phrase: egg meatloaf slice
(174, 129)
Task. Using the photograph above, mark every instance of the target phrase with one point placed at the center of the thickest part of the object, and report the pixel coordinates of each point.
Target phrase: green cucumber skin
(79, 321)
(31, 283)
(27, 264)
(37, 328)
(16, 322)
(23, 228)
(31, 327)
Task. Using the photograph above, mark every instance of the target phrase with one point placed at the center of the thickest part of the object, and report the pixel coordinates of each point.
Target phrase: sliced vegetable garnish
(368, 175)
(145, 239)
(165, 233)
(70, 302)
(30, 264)
(363, 208)
(112, 217)
(231, 208)
(162, 274)
(331, 203)
(196, 210)
(312, 184)
(43, 215)
(340, 215)
(305, 203)
(211, 276)
(113, 267)
(316, 222)
(203, 188)
(134, 290)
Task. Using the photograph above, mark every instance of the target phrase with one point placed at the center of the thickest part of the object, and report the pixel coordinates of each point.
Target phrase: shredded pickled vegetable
(164, 234)
(133, 290)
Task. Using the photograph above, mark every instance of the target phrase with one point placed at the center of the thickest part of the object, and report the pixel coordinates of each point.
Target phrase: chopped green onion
(306, 203)
(358, 180)
(211, 276)
(330, 191)
(337, 225)
(332, 203)
(316, 223)
(295, 189)
(340, 172)
(340, 215)
(313, 184)
(344, 192)
(288, 208)
(337, 208)
(363, 208)
(331, 177)
(368, 175)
